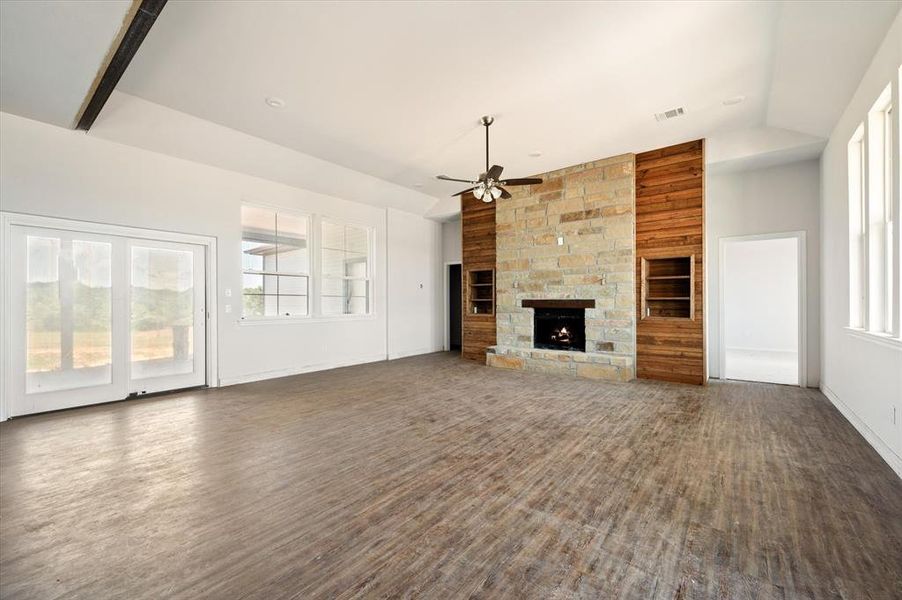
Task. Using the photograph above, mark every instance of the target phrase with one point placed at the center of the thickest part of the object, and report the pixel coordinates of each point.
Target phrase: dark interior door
(454, 306)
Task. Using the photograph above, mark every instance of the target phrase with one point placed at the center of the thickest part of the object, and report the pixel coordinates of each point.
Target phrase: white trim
(303, 319)
(264, 375)
(770, 350)
(446, 286)
(10, 219)
(27, 220)
(871, 437)
(406, 353)
(884, 339)
(802, 297)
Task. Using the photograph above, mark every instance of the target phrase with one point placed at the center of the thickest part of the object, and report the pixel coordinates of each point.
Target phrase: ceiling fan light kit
(488, 186)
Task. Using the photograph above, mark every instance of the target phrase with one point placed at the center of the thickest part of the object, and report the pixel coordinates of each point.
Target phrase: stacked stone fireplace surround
(592, 207)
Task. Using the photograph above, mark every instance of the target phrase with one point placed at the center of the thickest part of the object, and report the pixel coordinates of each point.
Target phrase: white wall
(415, 285)
(451, 241)
(761, 295)
(46, 170)
(776, 199)
(863, 377)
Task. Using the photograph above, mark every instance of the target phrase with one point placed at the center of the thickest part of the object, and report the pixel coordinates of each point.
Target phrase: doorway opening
(762, 308)
(454, 314)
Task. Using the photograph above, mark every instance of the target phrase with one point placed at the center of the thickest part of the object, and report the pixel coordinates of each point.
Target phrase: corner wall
(862, 377)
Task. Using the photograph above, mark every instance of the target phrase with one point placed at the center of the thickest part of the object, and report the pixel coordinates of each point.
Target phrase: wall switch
(560, 240)
(228, 308)
(228, 292)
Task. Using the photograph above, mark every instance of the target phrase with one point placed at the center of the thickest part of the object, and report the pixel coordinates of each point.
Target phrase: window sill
(883, 339)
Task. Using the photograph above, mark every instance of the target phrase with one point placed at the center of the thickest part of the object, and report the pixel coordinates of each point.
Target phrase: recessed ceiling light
(733, 100)
(274, 102)
(535, 154)
(418, 185)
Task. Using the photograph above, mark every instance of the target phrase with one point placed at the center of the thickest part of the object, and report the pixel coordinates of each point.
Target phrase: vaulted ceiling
(395, 89)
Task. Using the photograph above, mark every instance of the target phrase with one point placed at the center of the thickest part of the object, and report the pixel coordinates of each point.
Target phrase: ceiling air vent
(670, 114)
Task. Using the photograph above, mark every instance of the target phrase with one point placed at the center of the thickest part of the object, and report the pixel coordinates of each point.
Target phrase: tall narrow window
(275, 263)
(889, 217)
(346, 264)
(857, 232)
(879, 215)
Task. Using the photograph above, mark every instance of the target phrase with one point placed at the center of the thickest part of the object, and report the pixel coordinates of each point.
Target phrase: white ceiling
(395, 89)
(51, 52)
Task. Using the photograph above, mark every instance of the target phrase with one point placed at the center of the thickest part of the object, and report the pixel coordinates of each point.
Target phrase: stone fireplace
(565, 260)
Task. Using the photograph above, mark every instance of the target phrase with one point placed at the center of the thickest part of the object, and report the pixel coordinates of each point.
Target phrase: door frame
(800, 238)
(11, 219)
(446, 277)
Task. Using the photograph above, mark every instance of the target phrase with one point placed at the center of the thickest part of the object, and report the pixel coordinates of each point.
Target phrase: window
(275, 263)
(873, 221)
(879, 215)
(346, 261)
(888, 217)
(857, 232)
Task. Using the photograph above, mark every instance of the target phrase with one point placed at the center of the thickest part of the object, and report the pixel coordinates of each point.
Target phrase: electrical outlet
(560, 240)
(228, 308)
(228, 292)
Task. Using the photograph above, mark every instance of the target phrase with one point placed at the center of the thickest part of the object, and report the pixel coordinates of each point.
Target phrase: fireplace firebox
(560, 329)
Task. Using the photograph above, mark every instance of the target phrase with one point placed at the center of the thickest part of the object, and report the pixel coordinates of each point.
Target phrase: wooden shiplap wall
(670, 221)
(478, 252)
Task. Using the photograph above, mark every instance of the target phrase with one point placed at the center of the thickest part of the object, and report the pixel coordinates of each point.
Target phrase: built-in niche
(667, 285)
(481, 292)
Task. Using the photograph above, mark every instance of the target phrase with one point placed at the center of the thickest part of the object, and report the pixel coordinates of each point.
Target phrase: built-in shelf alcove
(667, 285)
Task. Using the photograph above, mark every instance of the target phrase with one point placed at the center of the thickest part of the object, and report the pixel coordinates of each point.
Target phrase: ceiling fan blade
(504, 193)
(521, 181)
(463, 192)
(494, 172)
(446, 178)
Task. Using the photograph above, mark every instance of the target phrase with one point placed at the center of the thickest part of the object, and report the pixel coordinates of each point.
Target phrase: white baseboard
(885, 451)
(417, 352)
(260, 376)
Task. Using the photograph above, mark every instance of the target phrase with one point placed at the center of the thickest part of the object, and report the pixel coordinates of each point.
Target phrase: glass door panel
(68, 314)
(63, 333)
(167, 316)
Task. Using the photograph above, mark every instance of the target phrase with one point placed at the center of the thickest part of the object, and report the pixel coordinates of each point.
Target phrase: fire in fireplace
(560, 329)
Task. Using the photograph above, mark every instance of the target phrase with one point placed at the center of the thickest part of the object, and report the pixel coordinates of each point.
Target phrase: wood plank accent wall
(478, 252)
(670, 214)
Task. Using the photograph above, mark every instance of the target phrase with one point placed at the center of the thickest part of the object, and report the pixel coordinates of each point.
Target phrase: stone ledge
(610, 366)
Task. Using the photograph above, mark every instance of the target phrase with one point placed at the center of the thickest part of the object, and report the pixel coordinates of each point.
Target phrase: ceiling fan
(488, 186)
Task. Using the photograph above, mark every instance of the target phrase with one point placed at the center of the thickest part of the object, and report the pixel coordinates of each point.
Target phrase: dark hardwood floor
(436, 477)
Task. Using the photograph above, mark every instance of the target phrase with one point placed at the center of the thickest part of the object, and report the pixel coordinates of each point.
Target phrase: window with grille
(275, 259)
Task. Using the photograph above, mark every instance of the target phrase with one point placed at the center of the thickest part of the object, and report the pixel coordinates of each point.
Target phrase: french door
(98, 317)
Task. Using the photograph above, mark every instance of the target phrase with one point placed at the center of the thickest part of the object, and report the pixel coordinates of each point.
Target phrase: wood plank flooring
(435, 477)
